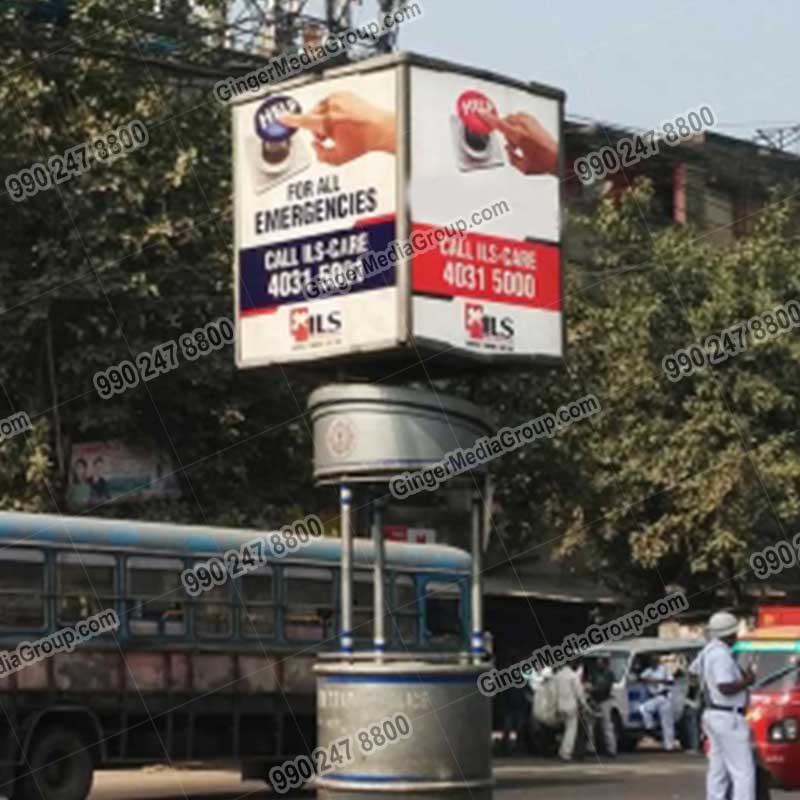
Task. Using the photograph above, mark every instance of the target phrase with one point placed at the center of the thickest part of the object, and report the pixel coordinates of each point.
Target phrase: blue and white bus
(226, 675)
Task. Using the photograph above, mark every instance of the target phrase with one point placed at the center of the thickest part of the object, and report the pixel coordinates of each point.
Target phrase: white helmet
(721, 624)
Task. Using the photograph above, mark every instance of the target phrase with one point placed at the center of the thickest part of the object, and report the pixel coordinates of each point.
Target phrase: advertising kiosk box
(395, 209)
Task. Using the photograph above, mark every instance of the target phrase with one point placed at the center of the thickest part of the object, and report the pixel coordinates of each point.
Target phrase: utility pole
(785, 139)
(188, 38)
(269, 27)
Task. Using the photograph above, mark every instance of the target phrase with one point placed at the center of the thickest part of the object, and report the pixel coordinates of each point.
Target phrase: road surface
(638, 776)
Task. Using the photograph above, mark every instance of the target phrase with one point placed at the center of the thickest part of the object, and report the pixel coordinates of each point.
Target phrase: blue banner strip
(276, 274)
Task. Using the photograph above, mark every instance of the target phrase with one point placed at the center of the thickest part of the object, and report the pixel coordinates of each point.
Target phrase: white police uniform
(661, 702)
(731, 755)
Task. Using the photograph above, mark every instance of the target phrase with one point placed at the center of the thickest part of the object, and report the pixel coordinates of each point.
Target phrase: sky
(631, 63)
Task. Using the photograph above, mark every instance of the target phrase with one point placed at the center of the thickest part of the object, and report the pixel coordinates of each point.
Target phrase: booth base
(446, 751)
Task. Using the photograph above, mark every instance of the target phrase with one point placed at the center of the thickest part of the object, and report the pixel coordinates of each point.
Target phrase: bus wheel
(59, 767)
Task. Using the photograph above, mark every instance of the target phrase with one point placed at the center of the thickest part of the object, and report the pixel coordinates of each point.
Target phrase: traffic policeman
(658, 680)
(724, 685)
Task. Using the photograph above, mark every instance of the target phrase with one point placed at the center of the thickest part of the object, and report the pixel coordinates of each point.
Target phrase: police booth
(398, 221)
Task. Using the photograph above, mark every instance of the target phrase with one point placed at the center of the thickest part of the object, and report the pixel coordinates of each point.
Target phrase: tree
(121, 258)
(674, 483)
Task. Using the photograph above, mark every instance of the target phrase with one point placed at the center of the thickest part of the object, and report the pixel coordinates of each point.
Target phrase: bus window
(154, 597)
(309, 603)
(403, 627)
(213, 613)
(258, 608)
(85, 585)
(22, 588)
(443, 614)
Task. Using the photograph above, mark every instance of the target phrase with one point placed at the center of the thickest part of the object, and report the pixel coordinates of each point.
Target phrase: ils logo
(314, 329)
(486, 330)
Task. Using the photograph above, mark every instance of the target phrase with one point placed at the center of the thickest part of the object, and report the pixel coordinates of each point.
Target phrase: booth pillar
(346, 514)
(476, 604)
(379, 579)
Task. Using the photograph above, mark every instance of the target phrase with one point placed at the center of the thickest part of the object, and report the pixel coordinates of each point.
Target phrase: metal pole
(476, 643)
(345, 510)
(378, 573)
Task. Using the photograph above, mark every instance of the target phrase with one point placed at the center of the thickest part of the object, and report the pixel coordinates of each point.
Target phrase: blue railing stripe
(362, 777)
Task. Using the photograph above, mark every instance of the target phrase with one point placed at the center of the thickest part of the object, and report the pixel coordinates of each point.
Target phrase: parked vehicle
(773, 649)
(626, 660)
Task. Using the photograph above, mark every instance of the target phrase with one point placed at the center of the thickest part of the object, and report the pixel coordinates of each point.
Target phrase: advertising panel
(103, 472)
(479, 146)
(314, 193)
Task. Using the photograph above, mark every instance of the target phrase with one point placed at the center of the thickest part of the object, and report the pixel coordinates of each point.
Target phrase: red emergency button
(469, 106)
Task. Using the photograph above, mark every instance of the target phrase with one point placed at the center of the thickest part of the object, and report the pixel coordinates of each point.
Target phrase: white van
(625, 658)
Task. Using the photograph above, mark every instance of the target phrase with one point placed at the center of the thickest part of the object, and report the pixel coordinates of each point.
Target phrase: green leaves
(674, 482)
(121, 258)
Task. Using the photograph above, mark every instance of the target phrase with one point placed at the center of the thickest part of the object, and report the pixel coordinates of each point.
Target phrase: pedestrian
(544, 721)
(545, 698)
(724, 685)
(602, 684)
(692, 710)
(515, 710)
(657, 681)
(571, 701)
(516, 713)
